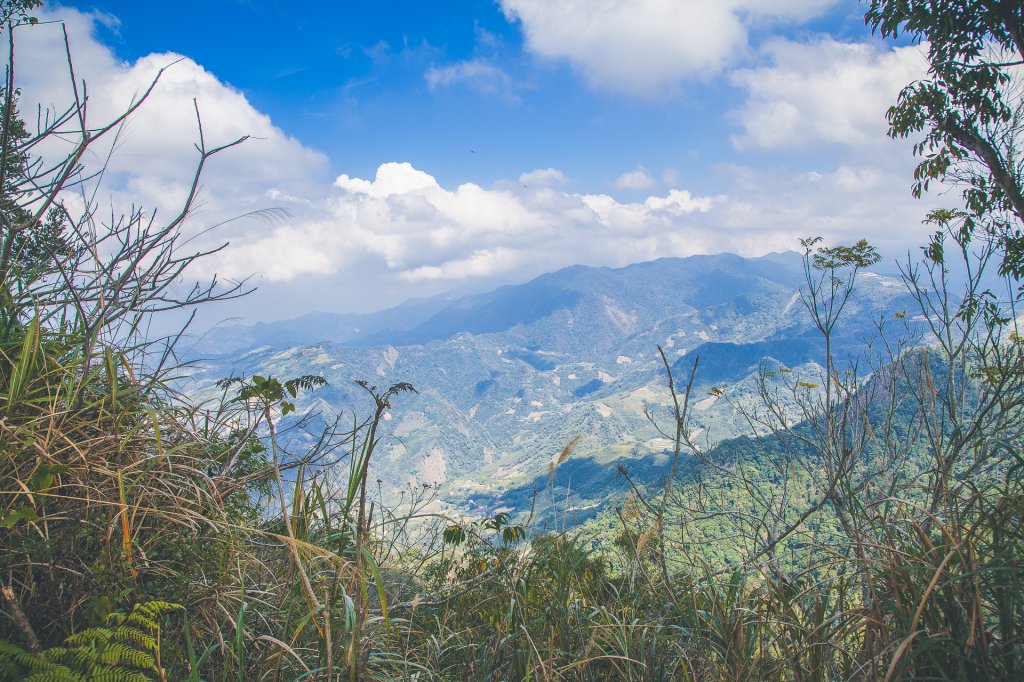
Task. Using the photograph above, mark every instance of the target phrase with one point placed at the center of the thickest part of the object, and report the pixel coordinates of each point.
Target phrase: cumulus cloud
(421, 231)
(403, 226)
(822, 92)
(644, 46)
(155, 155)
(844, 203)
(637, 179)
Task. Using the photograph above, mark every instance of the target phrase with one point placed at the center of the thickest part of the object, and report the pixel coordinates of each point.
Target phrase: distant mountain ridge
(316, 327)
(656, 285)
(506, 378)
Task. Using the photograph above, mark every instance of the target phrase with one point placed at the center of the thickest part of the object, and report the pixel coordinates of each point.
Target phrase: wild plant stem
(307, 585)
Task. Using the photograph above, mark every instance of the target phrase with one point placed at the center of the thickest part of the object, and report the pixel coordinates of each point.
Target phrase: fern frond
(54, 655)
(117, 654)
(142, 622)
(55, 675)
(81, 658)
(9, 669)
(90, 636)
(135, 636)
(13, 652)
(155, 609)
(18, 664)
(118, 675)
(62, 656)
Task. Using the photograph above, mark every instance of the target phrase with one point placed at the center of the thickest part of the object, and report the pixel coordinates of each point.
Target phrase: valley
(506, 379)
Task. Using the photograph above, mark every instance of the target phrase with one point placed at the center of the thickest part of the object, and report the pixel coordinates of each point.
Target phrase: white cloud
(420, 231)
(842, 204)
(476, 74)
(482, 263)
(637, 179)
(822, 92)
(155, 155)
(543, 176)
(380, 233)
(644, 46)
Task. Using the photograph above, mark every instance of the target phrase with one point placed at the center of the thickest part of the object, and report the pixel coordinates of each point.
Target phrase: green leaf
(11, 517)
(454, 535)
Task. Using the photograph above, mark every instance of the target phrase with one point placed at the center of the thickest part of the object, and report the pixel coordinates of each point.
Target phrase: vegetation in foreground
(874, 532)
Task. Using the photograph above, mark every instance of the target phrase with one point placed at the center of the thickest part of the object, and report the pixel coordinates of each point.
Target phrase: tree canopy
(969, 109)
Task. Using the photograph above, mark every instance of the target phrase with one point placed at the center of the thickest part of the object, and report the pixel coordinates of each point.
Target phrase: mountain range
(507, 378)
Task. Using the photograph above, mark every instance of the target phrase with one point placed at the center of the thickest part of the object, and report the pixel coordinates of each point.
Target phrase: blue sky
(351, 79)
(420, 147)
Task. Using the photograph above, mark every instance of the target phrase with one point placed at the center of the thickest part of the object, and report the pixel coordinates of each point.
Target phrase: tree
(970, 108)
(29, 246)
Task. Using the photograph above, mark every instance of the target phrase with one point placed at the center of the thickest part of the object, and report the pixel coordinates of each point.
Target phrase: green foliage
(867, 527)
(967, 109)
(860, 255)
(508, 534)
(16, 12)
(126, 649)
(271, 391)
(529, 609)
(30, 247)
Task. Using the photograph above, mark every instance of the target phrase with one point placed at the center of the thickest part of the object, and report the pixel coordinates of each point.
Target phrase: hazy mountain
(547, 310)
(506, 378)
(317, 327)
